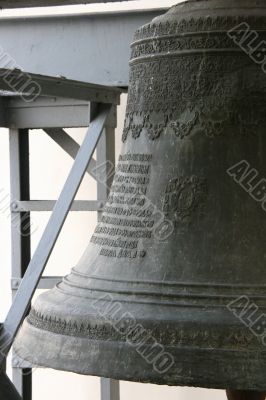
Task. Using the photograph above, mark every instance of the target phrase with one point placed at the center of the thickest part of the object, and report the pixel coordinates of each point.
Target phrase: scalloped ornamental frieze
(239, 338)
(213, 118)
(218, 23)
(219, 97)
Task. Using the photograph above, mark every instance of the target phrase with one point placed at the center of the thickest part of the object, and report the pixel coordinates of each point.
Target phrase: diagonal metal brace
(41, 256)
(65, 141)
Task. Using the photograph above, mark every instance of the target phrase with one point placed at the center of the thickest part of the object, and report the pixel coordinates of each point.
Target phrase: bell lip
(214, 370)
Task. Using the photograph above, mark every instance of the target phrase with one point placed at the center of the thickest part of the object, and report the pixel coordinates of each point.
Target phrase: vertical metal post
(20, 231)
(104, 176)
(109, 389)
(106, 158)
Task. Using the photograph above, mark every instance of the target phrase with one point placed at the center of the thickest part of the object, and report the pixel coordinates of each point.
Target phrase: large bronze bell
(172, 288)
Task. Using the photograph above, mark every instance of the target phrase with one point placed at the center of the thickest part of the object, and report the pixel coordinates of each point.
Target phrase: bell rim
(101, 360)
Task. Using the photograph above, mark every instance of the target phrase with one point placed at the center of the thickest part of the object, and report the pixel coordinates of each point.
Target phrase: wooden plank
(41, 256)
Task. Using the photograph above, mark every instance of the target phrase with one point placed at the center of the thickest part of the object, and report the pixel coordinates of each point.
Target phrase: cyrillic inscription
(126, 219)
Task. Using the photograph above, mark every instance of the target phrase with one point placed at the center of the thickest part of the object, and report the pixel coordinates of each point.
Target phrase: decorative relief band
(212, 97)
(187, 80)
(210, 94)
(184, 196)
(212, 119)
(206, 338)
(191, 25)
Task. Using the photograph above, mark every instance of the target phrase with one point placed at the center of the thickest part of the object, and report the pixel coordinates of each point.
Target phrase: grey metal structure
(49, 3)
(91, 47)
(26, 272)
(49, 55)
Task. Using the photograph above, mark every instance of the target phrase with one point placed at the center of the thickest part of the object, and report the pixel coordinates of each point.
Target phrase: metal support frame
(68, 144)
(20, 229)
(94, 46)
(26, 273)
(20, 81)
(49, 3)
(44, 112)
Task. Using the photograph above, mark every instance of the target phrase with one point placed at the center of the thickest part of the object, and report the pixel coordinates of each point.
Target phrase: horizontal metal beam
(46, 282)
(48, 3)
(43, 251)
(91, 47)
(48, 205)
(36, 85)
(43, 112)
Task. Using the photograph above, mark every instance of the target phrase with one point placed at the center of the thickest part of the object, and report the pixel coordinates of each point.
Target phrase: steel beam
(68, 144)
(91, 47)
(46, 282)
(20, 229)
(43, 112)
(48, 205)
(35, 85)
(40, 258)
(48, 3)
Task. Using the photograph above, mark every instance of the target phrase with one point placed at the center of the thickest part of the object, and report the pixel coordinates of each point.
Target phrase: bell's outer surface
(179, 239)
